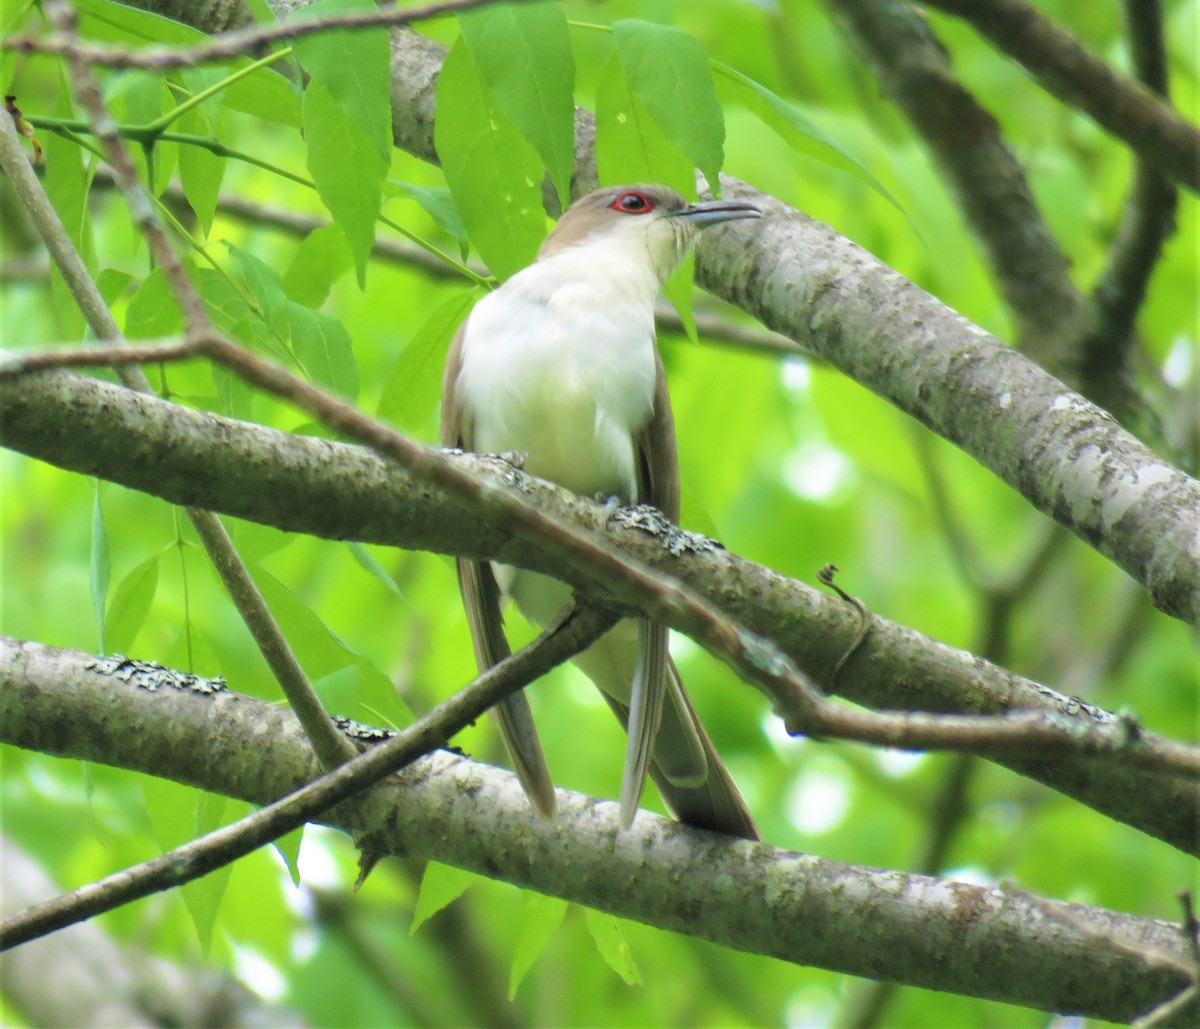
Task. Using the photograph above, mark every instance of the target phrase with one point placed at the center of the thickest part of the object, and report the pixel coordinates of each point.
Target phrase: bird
(559, 365)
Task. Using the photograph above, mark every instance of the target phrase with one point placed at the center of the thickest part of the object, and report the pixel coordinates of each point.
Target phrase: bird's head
(653, 223)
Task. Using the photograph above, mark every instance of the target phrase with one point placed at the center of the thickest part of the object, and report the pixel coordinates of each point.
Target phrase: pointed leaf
(152, 312)
(347, 169)
(261, 281)
(354, 67)
(411, 391)
(630, 147)
(493, 173)
(538, 920)
(99, 570)
(668, 72)
(321, 259)
(322, 345)
(200, 170)
(179, 814)
(130, 605)
(439, 204)
(441, 886)
(523, 53)
(610, 941)
(795, 129)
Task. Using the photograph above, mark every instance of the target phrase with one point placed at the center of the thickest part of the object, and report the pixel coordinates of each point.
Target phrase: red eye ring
(633, 202)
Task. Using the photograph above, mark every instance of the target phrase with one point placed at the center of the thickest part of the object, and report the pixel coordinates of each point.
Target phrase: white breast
(559, 364)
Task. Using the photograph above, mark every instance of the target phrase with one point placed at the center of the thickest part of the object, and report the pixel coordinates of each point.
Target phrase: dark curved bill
(711, 212)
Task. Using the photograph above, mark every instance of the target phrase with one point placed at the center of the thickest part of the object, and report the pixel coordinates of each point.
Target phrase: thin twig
(576, 632)
(235, 43)
(1148, 221)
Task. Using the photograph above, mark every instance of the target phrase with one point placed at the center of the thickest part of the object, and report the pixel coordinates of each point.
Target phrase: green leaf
(321, 259)
(610, 941)
(354, 67)
(411, 391)
(180, 814)
(99, 567)
(200, 170)
(539, 918)
(523, 53)
(289, 849)
(340, 691)
(152, 312)
(439, 204)
(493, 173)
(261, 281)
(347, 170)
(130, 605)
(441, 886)
(795, 129)
(369, 564)
(322, 346)
(668, 72)
(630, 147)
(321, 653)
(264, 93)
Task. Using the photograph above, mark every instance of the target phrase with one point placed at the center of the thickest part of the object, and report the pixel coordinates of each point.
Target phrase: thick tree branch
(559, 643)
(1158, 134)
(910, 928)
(338, 491)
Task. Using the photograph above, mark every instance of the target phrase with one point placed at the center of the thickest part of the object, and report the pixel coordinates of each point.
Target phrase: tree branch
(1066, 69)
(234, 43)
(199, 857)
(1148, 222)
(911, 928)
(343, 492)
(983, 173)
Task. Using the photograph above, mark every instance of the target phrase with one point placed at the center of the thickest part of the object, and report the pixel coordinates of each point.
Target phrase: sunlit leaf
(494, 174)
(264, 93)
(130, 605)
(324, 348)
(412, 388)
(438, 204)
(200, 170)
(611, 943)
(795, 129)
(99, 568)
(523, 53)
(668, 72)
(441, 886)
(320, 260)
(537, 922)
(354, 67)
(630, 147)
(347, 169)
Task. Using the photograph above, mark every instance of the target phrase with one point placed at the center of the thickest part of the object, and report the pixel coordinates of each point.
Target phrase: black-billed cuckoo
(559, 364)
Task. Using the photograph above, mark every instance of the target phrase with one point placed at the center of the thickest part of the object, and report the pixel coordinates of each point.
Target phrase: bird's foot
(516, 458)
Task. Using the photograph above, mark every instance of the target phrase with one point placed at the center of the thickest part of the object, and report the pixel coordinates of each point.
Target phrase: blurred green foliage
(789, 464)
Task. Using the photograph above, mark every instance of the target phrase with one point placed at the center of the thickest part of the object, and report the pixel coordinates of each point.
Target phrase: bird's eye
(633, 203)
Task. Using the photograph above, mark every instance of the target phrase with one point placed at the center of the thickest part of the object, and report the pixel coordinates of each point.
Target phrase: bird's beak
(711, 212)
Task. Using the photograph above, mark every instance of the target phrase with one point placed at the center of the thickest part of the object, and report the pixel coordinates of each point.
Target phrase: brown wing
(668, 735)
(481, 600)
